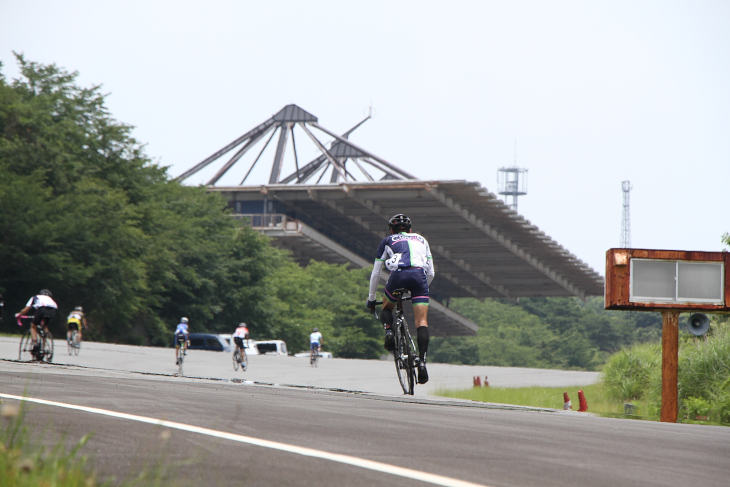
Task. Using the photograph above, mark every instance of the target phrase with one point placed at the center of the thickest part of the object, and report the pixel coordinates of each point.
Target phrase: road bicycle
(74, 343)
(405, 356)
(44, 353)
(314, 357)
(180, 339)
(240, 360)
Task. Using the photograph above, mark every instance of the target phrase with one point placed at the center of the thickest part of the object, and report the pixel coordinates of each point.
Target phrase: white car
(321, 354)
(266, 347)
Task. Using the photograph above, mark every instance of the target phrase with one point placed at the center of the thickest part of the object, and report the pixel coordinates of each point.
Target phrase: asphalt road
(356, 375)
(489, 445)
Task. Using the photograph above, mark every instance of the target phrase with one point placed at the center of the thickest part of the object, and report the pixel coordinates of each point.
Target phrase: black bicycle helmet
(46, 292)
(399, 223)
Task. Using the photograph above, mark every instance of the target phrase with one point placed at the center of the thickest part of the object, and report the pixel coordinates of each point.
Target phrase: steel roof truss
(509, 245)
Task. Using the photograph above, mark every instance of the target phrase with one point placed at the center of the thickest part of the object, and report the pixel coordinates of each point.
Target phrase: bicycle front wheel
(25, 352)
(48, 348)
(403, 363)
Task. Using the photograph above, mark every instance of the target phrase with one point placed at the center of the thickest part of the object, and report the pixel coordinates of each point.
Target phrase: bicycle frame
(404, 355)
(44, 340)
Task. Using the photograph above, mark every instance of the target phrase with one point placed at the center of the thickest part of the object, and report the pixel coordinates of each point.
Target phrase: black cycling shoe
(422, 372)
(389, 343)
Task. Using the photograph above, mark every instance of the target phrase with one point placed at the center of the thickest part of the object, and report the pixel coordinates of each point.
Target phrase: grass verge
(598, 399)
(25, 461)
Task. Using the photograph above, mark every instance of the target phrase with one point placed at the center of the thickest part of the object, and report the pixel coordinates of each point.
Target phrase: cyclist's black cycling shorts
(411, 278)
(239, 342)
(179, 339)
(72, 325)
(43, 313)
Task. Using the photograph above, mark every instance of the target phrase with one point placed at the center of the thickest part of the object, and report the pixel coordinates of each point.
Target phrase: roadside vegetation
(630, 384)
(29, 458)
(25, 461)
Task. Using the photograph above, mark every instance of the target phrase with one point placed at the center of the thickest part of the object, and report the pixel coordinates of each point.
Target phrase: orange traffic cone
(477, 381)
(582, 401)
(566, 401)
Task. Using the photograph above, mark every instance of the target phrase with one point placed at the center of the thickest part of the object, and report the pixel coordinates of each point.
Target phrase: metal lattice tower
(512, 182)
(626, 220)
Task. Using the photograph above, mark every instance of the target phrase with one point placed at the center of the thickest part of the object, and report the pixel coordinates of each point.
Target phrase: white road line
(308, 452)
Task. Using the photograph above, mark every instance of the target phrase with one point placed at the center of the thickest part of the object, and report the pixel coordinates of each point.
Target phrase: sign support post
(670, 282)
(670, 365)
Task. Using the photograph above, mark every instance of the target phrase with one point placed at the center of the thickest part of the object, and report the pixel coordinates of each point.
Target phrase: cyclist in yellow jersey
(75, 321)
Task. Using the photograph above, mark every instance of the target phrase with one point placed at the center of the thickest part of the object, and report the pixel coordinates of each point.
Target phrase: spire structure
(334, 157)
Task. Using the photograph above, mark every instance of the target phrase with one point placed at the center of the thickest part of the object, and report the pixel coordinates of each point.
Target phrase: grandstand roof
(481, 248)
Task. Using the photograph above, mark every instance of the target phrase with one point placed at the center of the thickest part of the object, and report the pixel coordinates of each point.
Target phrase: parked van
(208, 341)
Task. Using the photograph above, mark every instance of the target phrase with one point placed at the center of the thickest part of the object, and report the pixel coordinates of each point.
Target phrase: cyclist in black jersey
(408, 258)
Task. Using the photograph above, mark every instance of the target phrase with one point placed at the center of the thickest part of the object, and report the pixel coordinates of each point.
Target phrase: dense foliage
(85, 213)
(634, 375)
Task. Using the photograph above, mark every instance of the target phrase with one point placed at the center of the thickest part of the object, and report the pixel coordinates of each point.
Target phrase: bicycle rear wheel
(313, 358)
(70, 342)
(402, 356)
(77, 344)
(26, 348)
(244, 361)
(180, 365)
(48, 348)
(236, 360)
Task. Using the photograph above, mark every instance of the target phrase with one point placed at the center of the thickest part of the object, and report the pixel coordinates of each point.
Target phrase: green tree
(84, 212)
(329, 297)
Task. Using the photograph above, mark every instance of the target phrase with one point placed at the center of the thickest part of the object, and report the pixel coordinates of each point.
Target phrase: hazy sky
(593, 93)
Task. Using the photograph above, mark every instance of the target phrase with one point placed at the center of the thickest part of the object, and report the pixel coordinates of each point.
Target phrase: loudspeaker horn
(698, 324)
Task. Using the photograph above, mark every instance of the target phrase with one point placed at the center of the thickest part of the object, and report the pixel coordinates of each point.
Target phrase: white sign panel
(672, 281)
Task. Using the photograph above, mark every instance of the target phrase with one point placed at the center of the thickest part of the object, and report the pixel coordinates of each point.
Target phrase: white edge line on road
(309, 452)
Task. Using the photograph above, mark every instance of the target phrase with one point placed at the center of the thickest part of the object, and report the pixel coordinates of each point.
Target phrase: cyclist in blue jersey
(181, 339)
(408, 258)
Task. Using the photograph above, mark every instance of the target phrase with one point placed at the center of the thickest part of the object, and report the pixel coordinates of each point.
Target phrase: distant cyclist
(44, 309)
(408, 258)
(239, 336)
(315, 342)
(181, 339)
(75, 321)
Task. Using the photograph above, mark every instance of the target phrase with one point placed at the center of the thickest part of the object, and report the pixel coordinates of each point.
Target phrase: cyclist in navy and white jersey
(181, 338)
(44, 308)
(408, 258)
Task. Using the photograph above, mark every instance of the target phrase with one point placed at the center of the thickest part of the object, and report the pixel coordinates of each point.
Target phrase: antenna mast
(626, 220)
